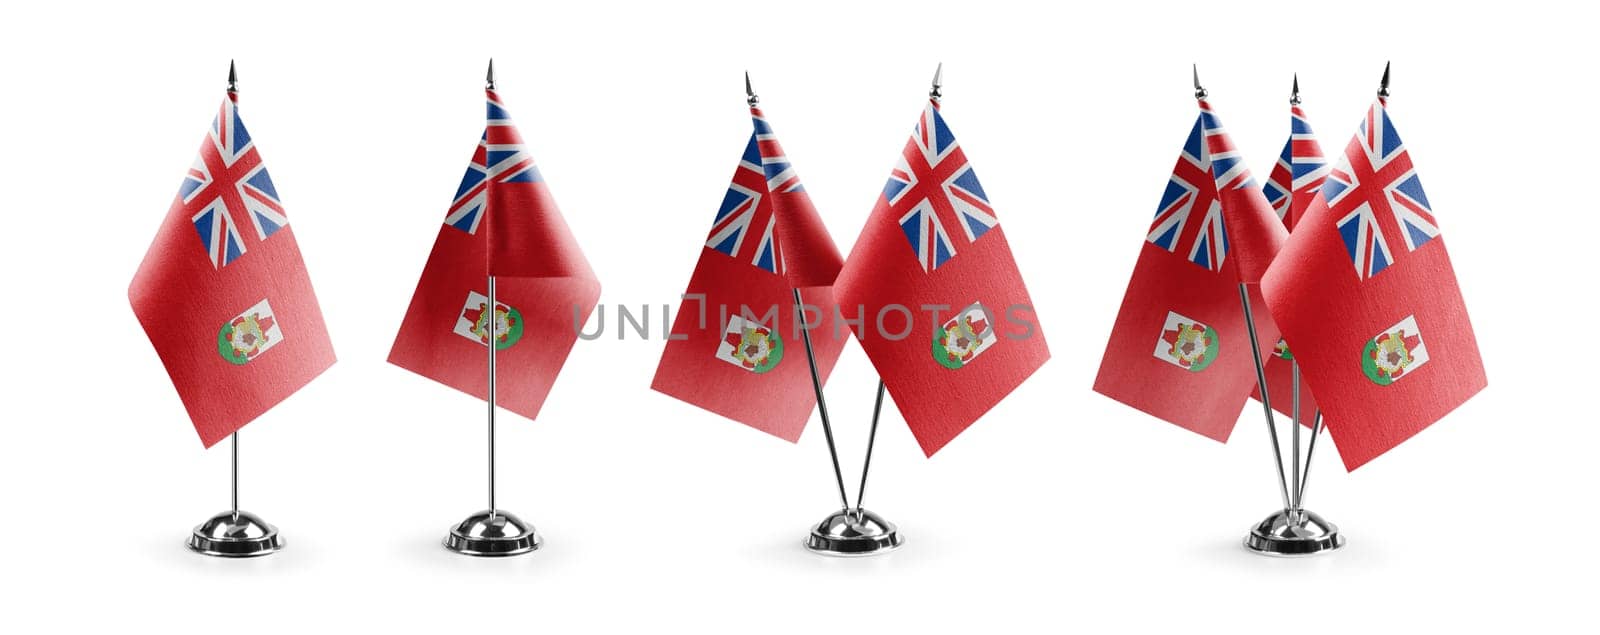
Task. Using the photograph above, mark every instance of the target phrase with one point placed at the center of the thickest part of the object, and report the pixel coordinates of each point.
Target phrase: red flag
(1180, 349)
(1368, 301)
(503, 223)
(232, 313)
(943, 312)
(1294, 184)
(737, 350)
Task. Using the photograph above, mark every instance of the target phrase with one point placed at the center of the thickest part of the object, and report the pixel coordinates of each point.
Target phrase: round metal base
(235, 535)
(1290, 534)
(495, 534)
(846, 533)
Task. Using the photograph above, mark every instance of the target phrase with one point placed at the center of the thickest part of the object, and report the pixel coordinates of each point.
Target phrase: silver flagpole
(1311, 448)
(1255, 354)
(811, 358)
(1293, 531)
(872, 439)
(1294, 437)
(822, 405)
(934, 93)
(847, 532)
(235, 442)
(1294, 364)
(493, 323)
(492, 532)
(1261, 384)
(1290, 531)
(235, 533)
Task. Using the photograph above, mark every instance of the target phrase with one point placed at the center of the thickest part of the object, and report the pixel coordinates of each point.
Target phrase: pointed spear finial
(488, 80)
(1199, 91)
(1383, 84)
(1294, 95)
(749, 92)
(233, 78)
(938, 82)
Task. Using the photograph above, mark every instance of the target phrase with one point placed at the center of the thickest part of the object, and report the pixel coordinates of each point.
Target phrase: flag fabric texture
(1180, 348)
(943, 312)
(1294, 183)
(503, 222)
(1368, 301)
(736, 347)
(223, 292)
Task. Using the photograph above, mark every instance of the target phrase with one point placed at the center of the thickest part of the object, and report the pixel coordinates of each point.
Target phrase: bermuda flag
(1294, 184)
(223, 293)
(736, 349)
(1180, 349)
(944, 315)
(503, 223)
(1367, 299)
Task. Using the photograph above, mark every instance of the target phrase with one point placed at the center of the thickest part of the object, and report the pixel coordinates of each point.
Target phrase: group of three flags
(1362, 288)
(1351, 267)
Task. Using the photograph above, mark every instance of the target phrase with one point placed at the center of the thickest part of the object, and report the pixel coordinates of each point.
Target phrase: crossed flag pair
(930, 290)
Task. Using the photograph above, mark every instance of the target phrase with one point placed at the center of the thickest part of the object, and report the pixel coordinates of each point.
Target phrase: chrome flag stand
(1290, 531)
(848, 531)
(852, 530)
(235, 533)
(493, 531)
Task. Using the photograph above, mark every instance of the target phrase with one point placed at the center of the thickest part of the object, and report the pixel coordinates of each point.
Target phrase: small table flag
(944, 314)
(223, 292)
(766, 240)
(1368, 301)
(503, 222)
(1293, 186)
(1180, 348)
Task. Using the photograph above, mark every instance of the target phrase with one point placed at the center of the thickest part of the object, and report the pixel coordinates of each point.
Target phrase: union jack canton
(935, 194)
(1299, 173)
(1188, 221)
(228, 186)
(1377, 197)
(745, 223)
(500, 158)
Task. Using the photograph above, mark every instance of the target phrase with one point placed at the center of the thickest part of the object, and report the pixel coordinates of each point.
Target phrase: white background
(1059, 510)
